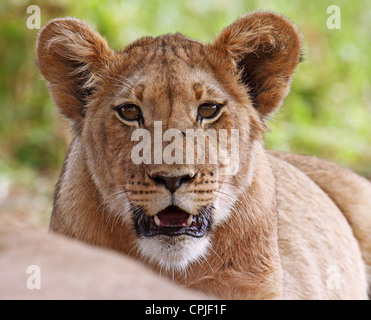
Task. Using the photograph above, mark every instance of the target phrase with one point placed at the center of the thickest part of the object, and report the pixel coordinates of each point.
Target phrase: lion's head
(136, 112)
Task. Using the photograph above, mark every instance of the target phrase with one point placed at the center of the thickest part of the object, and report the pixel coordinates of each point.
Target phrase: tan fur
(276, 233)
(72, 270)
(350, 192)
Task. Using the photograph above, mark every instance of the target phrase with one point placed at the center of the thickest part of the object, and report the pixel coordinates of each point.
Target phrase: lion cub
(222, 215)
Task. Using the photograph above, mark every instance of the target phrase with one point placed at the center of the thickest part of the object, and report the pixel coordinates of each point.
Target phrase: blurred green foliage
(327, 113)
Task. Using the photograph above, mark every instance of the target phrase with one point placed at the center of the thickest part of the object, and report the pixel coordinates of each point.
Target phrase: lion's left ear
(70, 56)
(266, 48)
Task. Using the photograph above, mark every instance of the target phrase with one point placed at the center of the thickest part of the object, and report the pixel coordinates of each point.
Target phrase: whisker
(135, 247)
(204, 258)
(228, 183)
(217, 255)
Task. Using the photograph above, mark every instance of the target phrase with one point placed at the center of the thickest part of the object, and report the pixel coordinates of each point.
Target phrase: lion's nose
(172, 183)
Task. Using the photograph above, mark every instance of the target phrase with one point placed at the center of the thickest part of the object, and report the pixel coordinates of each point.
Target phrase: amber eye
(208, 110)
(129, 112)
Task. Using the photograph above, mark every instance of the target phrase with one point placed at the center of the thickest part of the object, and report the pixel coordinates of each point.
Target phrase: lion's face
(169, 90)
(138, 114)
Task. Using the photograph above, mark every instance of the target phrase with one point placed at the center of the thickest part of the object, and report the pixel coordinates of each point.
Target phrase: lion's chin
(173, 253)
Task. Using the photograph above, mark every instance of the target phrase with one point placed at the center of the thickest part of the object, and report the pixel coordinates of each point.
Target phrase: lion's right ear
(265, 48)
(70, 55)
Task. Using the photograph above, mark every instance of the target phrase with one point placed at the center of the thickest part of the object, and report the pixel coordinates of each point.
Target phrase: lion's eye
(129, 112)
(208, 110)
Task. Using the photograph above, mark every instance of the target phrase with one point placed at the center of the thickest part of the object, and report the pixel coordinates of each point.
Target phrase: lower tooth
(190, 220)
(157, 220)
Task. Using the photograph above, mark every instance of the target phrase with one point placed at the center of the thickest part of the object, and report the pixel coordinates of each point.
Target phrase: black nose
(172, 183)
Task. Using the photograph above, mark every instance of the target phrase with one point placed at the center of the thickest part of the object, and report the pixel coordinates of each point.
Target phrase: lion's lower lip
(172, 221)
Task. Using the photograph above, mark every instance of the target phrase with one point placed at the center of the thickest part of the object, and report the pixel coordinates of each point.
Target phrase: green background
(327, 113)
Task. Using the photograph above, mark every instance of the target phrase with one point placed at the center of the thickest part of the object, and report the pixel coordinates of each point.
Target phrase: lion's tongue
(173, 217)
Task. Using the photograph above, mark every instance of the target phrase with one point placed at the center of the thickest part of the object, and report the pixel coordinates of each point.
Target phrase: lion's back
(321, 258)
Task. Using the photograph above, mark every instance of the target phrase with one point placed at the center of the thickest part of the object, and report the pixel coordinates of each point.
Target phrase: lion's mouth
(173, 221)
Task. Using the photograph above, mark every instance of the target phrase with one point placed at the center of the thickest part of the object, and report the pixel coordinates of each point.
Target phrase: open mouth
(172, 221)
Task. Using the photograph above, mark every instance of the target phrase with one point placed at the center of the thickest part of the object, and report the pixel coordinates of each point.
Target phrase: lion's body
(313, 235)
(38, 265)
(350, 194)
(279, 226)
